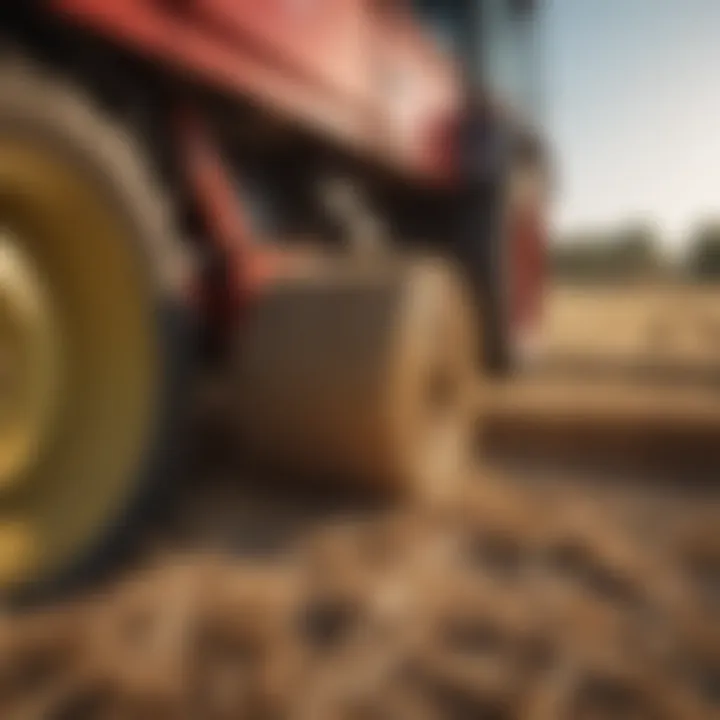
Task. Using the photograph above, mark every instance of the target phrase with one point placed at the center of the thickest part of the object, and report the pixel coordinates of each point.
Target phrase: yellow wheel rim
(29, 359)
(78, 361)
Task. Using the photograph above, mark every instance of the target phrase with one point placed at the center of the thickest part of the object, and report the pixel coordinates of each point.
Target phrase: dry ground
(537, 595)
(534, 602)
(667, 324)
(626, 375)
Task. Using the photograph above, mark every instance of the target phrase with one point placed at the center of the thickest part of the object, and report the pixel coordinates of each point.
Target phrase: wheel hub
(28, 363)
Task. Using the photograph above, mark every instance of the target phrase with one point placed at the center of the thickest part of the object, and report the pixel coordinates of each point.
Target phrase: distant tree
(703, 260)
(578, 256)
(636, 251)
(633, 251)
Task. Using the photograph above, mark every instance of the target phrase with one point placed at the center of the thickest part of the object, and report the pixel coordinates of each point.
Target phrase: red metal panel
(194, 43)
(420, 95)
(325, 40)
(528, 236)
(322, 62)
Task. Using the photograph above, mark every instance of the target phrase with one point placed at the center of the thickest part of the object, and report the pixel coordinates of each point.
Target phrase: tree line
(635, 252)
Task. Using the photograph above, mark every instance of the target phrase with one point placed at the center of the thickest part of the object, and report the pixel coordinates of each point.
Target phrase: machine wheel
(513, 274)
(502, 249)
(362, 373)
(89, 331)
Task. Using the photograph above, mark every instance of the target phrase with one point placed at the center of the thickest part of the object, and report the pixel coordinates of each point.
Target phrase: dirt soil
(522, 600)
(538, 594)
(628, 376)
(661, 324)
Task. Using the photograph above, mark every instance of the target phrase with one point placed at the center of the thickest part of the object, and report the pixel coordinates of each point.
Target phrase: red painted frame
(248, 263)
(333, 65)
(353, 70)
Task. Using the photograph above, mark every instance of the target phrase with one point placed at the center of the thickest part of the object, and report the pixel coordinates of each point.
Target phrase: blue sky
(633, 109)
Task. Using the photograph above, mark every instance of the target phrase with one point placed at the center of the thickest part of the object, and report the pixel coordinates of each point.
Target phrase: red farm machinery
(341, 200)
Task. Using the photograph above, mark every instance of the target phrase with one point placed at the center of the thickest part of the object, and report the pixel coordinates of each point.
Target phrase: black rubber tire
(59, 116)
(363, 374)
